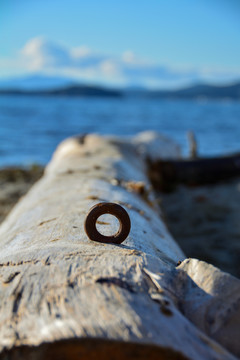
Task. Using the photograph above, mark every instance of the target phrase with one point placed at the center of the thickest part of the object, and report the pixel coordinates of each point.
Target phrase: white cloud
(44, 56)
(80, 51)
(129, 57)
(40, 53)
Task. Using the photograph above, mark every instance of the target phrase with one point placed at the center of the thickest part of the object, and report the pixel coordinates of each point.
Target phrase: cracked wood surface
(64, 296)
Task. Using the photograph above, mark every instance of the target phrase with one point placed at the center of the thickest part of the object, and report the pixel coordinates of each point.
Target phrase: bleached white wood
(64, 295)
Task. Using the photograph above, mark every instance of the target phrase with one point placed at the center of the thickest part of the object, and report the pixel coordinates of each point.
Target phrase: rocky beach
(14, 183)
(204, 220)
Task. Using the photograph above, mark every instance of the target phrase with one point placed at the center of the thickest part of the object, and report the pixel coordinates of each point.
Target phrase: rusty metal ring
(107, 208)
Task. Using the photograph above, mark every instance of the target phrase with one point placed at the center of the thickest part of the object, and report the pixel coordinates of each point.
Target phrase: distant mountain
(43, 85)
(201, 91)
(84, 90)
(75, 90)
(36, 82)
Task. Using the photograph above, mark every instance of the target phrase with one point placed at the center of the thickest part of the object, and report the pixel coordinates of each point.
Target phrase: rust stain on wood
(46, 221)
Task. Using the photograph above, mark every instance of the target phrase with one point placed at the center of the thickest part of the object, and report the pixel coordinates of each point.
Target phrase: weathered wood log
(166, 174)
(64, 296)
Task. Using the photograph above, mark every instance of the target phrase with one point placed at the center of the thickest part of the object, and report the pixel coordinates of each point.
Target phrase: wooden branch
(192, 145)
(65, 296)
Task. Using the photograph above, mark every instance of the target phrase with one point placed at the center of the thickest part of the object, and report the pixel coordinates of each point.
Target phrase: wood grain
(66, 297)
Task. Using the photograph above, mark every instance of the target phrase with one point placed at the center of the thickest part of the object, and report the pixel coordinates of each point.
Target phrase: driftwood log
(168, 173)
(64, 296)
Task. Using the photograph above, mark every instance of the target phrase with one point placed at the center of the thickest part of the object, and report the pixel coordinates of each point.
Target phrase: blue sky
(157, 43)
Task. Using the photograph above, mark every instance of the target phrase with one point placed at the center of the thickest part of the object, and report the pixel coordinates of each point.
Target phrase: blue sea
(32, 127)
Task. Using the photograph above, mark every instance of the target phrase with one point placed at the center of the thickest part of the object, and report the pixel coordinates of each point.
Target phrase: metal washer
(107, 208)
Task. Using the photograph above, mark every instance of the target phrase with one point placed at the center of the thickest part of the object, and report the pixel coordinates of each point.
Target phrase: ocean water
(32, 127)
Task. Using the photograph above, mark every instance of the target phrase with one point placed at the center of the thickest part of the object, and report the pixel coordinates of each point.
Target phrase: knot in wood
(107, 208)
